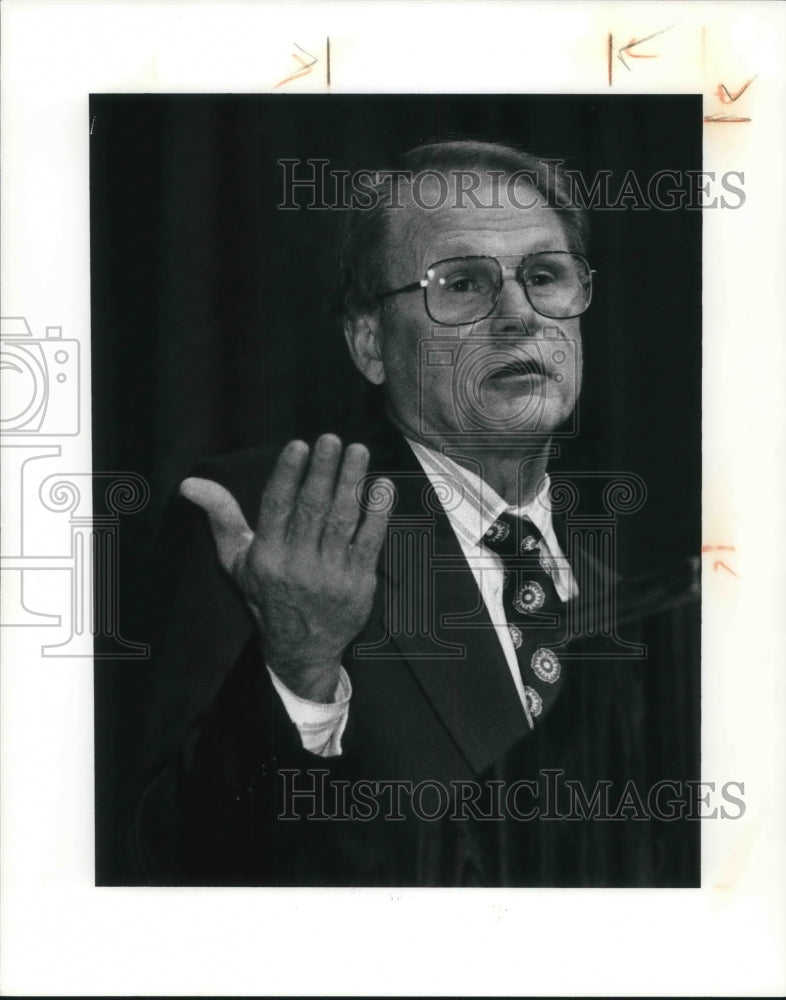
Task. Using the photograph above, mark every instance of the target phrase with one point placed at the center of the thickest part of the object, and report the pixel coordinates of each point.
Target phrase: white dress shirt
(474, 507)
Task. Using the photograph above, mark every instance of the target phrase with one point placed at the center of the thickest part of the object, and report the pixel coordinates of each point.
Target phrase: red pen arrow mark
(639, 41)
(305, 67)
(720, 562)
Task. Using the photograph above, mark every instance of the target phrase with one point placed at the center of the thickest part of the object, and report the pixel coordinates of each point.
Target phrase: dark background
(213, 326)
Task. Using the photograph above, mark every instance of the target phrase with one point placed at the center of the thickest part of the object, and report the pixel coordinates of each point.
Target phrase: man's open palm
(308, 572)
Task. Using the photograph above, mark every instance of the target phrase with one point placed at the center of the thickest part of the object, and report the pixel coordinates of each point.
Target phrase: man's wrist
(320, 725)
(311, 683)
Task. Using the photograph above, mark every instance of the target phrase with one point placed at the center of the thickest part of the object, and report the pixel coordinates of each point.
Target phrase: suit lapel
(435, 619)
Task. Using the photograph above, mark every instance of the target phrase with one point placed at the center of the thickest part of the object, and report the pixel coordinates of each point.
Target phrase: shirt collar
(471, 504)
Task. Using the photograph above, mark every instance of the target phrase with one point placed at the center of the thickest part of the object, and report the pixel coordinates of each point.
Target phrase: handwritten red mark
(725, 119)
(720, 562)
(634, 42)
(628, 49)
(305, 67)
(724, 95)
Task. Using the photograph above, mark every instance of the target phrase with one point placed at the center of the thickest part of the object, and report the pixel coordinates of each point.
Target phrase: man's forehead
(443, 213)
(434, 190)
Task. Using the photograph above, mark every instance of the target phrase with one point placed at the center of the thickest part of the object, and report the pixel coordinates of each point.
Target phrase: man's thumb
(230, 529)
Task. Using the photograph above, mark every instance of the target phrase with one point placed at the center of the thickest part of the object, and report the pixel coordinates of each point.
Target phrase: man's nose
(514, 307)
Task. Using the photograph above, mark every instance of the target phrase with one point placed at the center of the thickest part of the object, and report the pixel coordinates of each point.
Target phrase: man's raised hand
(308, 572)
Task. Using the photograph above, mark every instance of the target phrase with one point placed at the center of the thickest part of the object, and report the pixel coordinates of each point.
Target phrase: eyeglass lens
(558, 286)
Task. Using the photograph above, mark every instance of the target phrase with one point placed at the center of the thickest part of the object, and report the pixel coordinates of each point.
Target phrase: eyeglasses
(558, 285)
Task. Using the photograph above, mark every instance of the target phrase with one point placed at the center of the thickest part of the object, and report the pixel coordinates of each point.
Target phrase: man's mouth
(518, 367)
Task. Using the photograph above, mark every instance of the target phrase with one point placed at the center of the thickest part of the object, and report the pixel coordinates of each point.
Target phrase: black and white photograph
(391, 429)
(415, 382)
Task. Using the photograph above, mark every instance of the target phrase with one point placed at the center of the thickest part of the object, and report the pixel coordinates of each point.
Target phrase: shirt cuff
(320, 724)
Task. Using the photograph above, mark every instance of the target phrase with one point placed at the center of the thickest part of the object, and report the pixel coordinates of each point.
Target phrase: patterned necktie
(532, 608)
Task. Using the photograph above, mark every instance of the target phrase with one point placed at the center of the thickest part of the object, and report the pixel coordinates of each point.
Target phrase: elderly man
(387, 642)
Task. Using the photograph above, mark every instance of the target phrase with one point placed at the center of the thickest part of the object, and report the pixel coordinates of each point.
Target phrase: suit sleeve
(217, 736)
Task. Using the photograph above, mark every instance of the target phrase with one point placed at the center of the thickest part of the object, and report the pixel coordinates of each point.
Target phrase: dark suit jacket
(433, 701)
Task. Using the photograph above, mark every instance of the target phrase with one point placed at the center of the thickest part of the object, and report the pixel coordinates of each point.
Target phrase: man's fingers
(278, 498)
(345, 511)
(230, 529)
(371, 534)
(316, 494)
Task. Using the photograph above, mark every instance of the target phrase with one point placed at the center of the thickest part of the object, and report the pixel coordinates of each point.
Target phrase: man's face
(513, 372)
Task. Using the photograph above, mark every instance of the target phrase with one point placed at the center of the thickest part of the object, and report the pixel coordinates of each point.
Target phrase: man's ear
(364, 339)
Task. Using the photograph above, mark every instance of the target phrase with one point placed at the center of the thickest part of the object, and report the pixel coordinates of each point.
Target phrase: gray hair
(365, 231)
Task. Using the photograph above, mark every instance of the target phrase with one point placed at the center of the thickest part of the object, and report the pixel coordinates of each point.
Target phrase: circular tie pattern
(528, 544)
(545, 665)
(527, 597)
(530, 598)
(497, 533)
(534, 701)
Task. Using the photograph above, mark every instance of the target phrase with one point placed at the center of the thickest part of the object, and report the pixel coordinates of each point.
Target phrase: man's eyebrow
(468, 250)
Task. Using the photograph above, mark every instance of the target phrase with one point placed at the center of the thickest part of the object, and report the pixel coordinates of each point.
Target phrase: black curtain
(213, 324)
